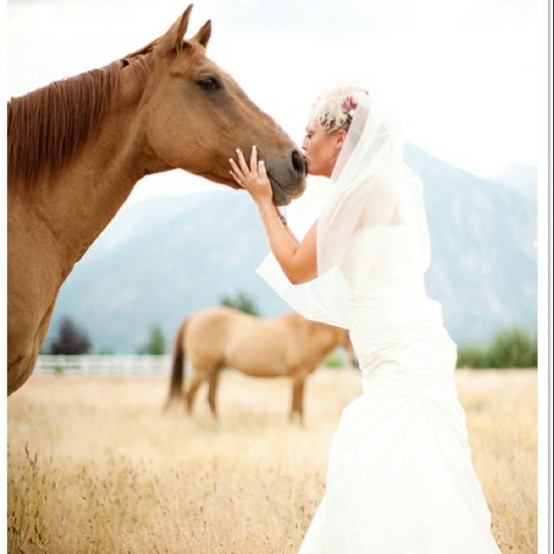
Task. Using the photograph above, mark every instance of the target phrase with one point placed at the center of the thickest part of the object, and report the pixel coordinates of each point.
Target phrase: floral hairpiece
(349, 106)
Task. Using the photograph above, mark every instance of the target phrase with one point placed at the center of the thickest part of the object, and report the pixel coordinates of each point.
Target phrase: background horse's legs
(297, 397)
(212, 384)
(196, 381)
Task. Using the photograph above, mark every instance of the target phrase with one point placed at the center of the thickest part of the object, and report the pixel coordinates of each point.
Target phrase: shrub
(513, 347)
(242, 302)
(71, 339)
(472, 356)
(156, 342)
(333, 360)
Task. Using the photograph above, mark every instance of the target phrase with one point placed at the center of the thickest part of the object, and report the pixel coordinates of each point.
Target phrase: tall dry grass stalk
(95, 465)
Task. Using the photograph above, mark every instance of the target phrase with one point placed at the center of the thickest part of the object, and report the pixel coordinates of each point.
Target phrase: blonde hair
(334, 109)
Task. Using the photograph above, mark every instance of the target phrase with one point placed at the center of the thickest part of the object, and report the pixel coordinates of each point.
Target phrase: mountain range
(168, 256)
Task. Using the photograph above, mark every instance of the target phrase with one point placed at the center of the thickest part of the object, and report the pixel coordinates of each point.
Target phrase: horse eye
(209, 83)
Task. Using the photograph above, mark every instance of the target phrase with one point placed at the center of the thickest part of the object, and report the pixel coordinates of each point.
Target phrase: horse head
(194, 116)
(76, 148)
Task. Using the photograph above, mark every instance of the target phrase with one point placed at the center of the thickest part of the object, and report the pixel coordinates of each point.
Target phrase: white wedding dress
(400, 478)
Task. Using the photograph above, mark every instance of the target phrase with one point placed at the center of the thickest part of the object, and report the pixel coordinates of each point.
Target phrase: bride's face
(321, 149)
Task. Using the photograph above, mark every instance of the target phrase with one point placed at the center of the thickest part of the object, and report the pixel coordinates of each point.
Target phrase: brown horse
(223, 337)
(77, 147)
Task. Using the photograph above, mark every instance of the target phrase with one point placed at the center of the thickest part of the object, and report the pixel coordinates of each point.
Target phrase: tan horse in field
(77, 147)
(223, 337)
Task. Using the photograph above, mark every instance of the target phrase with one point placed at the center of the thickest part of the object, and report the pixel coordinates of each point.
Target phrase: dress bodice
(385, 275)
(386, 292)
(381, 261)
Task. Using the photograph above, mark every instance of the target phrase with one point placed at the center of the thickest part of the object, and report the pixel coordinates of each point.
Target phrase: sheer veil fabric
(371, 187)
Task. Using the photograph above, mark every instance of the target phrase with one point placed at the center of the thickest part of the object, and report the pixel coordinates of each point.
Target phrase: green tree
(156, 344)
(513, 347)
(472, 356)
(71, 339)
(242, 302)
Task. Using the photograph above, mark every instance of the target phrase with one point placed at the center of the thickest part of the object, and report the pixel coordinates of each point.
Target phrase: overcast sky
(467, 78)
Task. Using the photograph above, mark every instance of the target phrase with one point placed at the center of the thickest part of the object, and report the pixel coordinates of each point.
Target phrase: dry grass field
(96, 466)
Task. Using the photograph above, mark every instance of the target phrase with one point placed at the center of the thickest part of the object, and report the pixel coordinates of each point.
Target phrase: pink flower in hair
(349, 105)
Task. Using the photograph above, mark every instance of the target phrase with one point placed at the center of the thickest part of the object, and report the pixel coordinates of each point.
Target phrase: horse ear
(173, 39)
(204, 34)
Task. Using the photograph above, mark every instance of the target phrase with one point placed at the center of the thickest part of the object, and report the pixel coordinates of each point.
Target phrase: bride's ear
(341, 137)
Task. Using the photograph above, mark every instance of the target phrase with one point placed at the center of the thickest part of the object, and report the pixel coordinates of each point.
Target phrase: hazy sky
(467, 78)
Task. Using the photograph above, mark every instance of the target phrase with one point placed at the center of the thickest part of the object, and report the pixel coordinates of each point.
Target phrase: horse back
(224, 336)
(272, 347)
(208, 334)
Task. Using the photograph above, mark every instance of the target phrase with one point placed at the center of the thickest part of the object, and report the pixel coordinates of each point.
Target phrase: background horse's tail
(178, 370)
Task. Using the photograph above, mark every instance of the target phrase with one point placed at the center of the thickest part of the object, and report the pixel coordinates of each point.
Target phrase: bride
(400, 478)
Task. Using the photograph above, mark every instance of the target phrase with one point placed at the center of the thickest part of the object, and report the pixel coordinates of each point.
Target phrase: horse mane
(48, 127)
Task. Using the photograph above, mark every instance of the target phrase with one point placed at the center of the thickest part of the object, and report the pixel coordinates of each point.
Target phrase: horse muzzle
(287, 178)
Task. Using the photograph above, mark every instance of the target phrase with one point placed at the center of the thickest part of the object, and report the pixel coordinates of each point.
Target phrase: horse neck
(77, 205)
(81, 202)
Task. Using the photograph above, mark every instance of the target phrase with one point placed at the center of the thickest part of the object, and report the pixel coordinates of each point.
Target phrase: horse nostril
(298, 162)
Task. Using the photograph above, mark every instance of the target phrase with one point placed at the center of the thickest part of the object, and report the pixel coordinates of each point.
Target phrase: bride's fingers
(235, 169)
(237, 179)
(236, 173)
(254, 159)
(242, 162)
(261, 170)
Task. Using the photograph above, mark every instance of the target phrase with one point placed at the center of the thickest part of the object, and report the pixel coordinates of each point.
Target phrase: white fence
(108, 365)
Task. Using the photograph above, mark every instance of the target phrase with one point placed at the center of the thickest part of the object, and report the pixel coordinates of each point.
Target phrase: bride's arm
(297, 259)
(285, 225)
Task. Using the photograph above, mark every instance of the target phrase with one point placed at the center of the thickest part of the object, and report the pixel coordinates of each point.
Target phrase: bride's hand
(252, 178)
